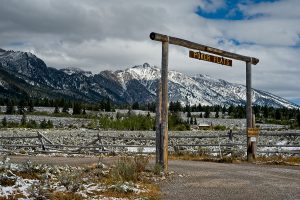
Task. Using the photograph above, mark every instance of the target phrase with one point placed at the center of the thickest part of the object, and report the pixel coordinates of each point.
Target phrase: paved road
(208, 180)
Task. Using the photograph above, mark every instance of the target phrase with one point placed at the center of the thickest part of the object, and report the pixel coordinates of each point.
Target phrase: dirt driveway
(208, 180)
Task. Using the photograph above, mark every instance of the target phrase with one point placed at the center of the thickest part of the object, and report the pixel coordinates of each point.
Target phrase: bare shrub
(65, 196)
(141, 162)
(70, 180)
(7, 181)
(157, 169)
(124, 170)
(37, 191)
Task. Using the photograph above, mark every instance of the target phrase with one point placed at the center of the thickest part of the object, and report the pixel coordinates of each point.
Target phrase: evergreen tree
(217, 114)
(65, 108)
(10, 107)
(265, 112)
(230, 110)
(21, 107)
(23, 120)
(207, 112)
(199, 108)
(30, 107)
(56, 109)
(46, 102)
(171, 107)
(195, 121)
(31, 124)
(49, 124)
(152, 107)
(194, 108)
(135, 106)
(107, 105)
(177, 107)
(223, 110)
(4, 122)
(77, 108)
(298, 118)
(187, 108)
(277, 114)
(189, 114)
(43, 124)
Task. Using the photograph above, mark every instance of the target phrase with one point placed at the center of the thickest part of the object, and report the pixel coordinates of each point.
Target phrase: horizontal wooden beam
(201, 47)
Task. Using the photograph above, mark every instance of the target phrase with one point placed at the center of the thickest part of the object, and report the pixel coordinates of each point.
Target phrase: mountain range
(22, 73)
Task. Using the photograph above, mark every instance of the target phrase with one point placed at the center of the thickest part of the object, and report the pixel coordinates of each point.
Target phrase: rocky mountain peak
(136, 84)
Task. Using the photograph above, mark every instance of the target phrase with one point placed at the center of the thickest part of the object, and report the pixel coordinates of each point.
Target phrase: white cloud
(211, 6)
(100, 35)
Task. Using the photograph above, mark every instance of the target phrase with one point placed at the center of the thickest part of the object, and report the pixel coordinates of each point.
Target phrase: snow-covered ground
(39, 181)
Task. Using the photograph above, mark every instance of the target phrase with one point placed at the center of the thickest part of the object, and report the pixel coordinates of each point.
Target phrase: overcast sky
(98, 35)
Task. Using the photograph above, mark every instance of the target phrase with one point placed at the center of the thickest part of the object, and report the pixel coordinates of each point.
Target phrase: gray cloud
(98, 35)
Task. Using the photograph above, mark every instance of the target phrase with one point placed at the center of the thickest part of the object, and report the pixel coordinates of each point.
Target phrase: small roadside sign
(253, 132)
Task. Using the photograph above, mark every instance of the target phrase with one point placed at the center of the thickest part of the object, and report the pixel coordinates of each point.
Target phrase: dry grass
(274, 160)
(65, 196)
(15, 197)
(278, 160)
(7, 182)
(200, 157)
(152, 193)
(129, 168)
(28, 175)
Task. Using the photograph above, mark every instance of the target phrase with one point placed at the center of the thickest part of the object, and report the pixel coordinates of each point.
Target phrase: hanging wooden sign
(210, 58)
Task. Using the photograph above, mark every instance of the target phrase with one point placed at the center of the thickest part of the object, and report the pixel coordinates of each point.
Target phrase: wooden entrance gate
(162, 93)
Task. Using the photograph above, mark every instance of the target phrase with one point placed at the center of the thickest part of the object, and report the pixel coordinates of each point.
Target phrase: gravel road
(208, 180)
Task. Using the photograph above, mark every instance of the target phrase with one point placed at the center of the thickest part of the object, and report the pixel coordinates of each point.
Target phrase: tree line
(27, 105)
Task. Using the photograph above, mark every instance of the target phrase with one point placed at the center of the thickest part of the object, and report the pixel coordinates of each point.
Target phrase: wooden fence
(97, 145)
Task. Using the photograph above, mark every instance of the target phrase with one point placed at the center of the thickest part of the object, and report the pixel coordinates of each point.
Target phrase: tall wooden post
(249, 110)
(253, 144)
(164, 108)
(159, 147)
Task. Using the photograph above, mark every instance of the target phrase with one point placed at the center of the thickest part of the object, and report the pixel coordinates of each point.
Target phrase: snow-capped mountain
(197, 89)
(22, 73)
